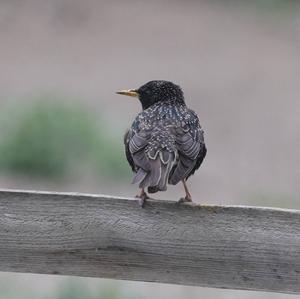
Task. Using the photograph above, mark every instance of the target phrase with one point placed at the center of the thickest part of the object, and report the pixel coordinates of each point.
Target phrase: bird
(165, 143)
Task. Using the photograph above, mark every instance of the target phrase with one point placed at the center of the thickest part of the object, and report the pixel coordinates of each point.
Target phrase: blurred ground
(237, 62)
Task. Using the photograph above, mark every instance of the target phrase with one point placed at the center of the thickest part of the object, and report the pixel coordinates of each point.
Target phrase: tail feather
(145, 182)
(166, 169)
(162, 184)
(182, 169)
(157, 175)
(139, 176)
(155, 172)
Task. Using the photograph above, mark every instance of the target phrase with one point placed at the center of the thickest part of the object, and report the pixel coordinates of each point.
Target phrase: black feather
(127, 152)
(199, 161)
(165, 142)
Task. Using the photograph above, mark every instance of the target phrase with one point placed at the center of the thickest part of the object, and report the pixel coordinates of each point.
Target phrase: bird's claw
(142, 199)
(184, 199)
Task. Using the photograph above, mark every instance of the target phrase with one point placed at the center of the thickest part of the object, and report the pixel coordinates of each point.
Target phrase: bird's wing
(199, 159)
(153, 163)
(135, 144)
(190, 146)
(127, 151)
(149, 155)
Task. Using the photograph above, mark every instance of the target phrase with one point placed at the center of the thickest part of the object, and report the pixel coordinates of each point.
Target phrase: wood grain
(95, 235)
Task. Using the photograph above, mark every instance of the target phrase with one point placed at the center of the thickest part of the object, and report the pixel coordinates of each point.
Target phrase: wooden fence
(235, 247)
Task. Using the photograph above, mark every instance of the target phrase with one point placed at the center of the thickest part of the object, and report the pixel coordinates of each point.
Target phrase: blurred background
(61, 124)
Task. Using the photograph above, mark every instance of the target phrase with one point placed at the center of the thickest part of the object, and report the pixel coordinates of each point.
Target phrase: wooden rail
(94, 235)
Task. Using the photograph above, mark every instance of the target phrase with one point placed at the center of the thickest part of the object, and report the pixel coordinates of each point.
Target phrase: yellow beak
(129, 92)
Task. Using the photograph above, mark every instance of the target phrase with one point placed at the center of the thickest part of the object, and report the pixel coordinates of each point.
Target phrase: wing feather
(190, 144)
(168, 153)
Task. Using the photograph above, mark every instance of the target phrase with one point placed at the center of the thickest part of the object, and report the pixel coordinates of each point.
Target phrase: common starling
(165, 143)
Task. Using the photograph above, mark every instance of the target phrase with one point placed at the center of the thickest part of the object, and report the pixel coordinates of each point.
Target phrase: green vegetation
(272, 6)
(76, 289)
(55, 140)
(64, 288)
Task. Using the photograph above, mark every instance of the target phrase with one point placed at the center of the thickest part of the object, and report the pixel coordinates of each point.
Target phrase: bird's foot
(185, 199)
(142, 198)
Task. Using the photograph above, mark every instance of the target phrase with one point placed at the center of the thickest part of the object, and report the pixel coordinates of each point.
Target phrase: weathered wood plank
(94, 235)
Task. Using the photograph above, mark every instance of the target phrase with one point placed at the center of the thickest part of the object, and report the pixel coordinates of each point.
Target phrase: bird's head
(156, 91)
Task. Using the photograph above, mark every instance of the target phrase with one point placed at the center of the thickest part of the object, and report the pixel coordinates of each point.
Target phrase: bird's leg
(142, 197)
(188, 196)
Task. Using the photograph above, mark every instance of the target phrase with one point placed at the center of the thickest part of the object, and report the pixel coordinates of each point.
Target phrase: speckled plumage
(165, 143)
